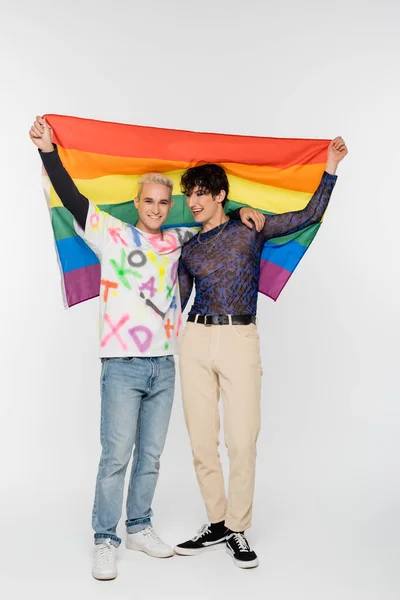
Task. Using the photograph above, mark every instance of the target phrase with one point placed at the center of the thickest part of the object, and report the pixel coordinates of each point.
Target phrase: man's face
(203, 205)
(153, 206)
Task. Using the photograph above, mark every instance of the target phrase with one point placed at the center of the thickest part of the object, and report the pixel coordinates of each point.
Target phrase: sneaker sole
(242, 564)
(149, 552)
(194, 551)
(103, 577)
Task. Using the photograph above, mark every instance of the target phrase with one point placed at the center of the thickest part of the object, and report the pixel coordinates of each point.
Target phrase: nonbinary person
(220, 348)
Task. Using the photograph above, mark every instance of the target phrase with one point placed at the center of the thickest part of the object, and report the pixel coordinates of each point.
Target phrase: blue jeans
(136, 402)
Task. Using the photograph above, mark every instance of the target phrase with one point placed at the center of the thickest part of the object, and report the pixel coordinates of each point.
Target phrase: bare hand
(248, 216)
(337, 150)
(40, 135)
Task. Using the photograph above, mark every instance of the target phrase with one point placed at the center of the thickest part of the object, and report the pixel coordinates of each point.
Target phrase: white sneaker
(148, 541)
(104, 562)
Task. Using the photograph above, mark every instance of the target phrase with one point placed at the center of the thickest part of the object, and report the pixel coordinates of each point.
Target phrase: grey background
(326, 521)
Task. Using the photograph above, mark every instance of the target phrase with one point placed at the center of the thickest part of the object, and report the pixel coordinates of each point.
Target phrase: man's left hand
(250, 217)
(337, 150)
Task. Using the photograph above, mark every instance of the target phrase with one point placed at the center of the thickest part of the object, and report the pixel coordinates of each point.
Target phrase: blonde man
(140, 323)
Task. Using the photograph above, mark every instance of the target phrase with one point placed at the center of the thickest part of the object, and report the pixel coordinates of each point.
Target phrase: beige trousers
(223, 360)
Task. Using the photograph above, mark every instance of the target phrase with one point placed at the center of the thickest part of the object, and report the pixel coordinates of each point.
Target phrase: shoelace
(241, 542)
(105, 552)
(150, 533)
(202, 531)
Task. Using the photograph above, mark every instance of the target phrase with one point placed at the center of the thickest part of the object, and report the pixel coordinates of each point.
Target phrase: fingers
(35, 132)
(248, 222)
(259, 220)
(38, 127)
(41, 121)
(338, 144)
(253, 217)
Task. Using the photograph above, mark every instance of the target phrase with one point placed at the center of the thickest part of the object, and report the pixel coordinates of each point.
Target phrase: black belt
(223, 319)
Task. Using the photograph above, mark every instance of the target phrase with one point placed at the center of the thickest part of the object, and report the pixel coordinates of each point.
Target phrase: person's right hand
(41, 136)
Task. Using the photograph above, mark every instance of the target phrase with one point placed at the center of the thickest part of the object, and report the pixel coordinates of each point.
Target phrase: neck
(214, 222)
(142, 227)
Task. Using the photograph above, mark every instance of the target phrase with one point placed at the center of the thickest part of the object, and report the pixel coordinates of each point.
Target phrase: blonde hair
(154, 178)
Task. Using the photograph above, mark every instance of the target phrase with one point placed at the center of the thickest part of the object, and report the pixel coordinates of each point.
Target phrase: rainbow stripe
(106, 160)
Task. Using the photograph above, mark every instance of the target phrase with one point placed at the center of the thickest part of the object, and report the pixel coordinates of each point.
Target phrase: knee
(243, 450)
(115, 457)
(205, 454)
(149, 460)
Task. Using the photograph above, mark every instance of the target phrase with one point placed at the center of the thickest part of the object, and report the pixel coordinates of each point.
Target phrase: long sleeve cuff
(330, 177)
(50, 159)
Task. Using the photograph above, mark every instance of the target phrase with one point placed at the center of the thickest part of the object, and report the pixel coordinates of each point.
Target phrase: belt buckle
(205, 321)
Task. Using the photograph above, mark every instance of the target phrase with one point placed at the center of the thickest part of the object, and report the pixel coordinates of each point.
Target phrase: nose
(191, 200)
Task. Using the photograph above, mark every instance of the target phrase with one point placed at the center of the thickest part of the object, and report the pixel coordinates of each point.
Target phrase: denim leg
(122, 388)
(151, 433)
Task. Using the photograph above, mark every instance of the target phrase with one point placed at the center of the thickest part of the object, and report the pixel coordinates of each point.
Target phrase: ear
(136, 202)
(221, 196)
(171, 205)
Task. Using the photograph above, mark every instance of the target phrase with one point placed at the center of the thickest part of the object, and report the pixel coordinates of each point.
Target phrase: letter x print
(115, 331)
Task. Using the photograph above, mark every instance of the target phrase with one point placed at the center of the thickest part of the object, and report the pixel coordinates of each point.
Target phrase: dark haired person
(220, 348)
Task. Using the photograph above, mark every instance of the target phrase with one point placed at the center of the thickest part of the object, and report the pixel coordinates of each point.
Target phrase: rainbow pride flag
(106, 160)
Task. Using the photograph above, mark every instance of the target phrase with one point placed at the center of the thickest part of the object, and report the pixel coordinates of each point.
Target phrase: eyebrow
(162, 199)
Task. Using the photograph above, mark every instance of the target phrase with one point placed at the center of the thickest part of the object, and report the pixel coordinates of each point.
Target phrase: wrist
(46, 149)
(331, 167)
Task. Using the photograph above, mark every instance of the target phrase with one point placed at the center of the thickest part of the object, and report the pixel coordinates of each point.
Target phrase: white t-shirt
(140, 307)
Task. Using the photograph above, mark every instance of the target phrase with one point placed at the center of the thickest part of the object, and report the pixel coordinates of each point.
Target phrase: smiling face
(206, 188)
(153, 206)
(204, 206)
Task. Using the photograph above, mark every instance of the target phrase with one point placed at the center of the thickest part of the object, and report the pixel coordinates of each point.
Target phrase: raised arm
(66, 189)
(185, 283)
(290, 222)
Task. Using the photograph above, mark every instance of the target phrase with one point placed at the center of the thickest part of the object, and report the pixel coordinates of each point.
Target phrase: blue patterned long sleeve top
(224, 263)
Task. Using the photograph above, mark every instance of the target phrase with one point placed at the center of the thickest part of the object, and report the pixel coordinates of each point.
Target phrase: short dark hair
(210, 178)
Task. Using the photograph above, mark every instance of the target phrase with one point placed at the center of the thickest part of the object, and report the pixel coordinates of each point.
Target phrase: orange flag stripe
(86, 165)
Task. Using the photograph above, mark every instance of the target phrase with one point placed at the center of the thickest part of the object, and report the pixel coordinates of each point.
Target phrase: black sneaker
(238, 547)
(209, 537)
